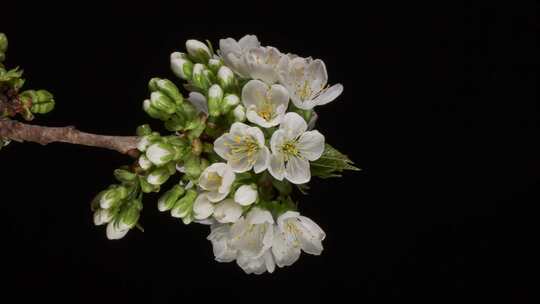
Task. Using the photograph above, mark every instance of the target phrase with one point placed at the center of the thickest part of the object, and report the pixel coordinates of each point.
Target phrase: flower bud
(183, 208)
(175, 123)
(123, 175)
(144, 130)
(225, 78)
(3, 43)
(181, 65)
(160, 153)
(239, 113)
(192, 166)
(214, 65)
(161, 102)
(147, 187)
(166, 87)
(200, 77)
(167, 200)
(198, 50)
(215, 96)
(129, 217)
(158, 176)
(146, 141)
(153, 112)
(230, 101)
(112, 196)
(103, 216)
(44, 102)
(246, 195)
(144, 162)
(114, 232)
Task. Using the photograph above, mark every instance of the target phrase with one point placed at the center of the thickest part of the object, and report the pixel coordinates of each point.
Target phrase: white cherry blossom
(265, 104)
(294, 233)
(227, 211)
(306, 81)
(262, 63)
(217, 180)
(219, 237)
(243, 148)
(253, 234)
(246, 195)
(233, 52)
(293, 148)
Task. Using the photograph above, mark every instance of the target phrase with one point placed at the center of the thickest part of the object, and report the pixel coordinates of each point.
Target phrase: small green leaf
(331, 163)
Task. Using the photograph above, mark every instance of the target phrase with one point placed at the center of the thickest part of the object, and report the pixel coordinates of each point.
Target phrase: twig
(17, 131)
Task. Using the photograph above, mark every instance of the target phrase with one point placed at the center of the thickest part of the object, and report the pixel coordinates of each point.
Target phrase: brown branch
(20, 132)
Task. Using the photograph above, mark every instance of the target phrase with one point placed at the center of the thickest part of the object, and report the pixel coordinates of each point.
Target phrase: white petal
(228, 177)
(202, 208)
(113, 231)
(284, 248)
(256, 134)
(222, 146)
(240, 163)
(293, 125)
(254, 117)
(262, 160)
(311, 145)
(253, 93)
(287, 215)
(238, 129)
(245, 195)
(199, 102)
(219, 236)
(277, 166)
(251, 265)
(297, 170)
(279, 95)
(227, 211)
(328, 95)
(259, 216)
(277, 141)
(215, 196)
(269, 261)
(315, 229)
(317, 74)
(248, 42)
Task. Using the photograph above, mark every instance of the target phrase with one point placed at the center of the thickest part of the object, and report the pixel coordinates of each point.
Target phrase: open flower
(256, 265)
(243, 148)
(265, 105)
(293, 148)
(294, 233)
(217, 180)
(262, 63)
(233, 52)
(306, 80)
(253, 234)
(227, 211)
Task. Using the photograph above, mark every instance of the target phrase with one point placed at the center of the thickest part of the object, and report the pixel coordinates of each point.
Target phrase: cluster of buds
(119, 206)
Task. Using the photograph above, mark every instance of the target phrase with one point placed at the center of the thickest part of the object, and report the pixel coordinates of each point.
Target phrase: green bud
(129, 216)
(204, 164)
(147, 187)
(176, 140)
(146, 141)
(200, 77)
(161, 102)
(239, 113)
(175, 123)
(183, 208)
(153, 112)
(192, 166)
(44, 103)
(166, 87)
(225, 78)
(160, 153)
(112, 197)
(158, 176)
(181, 65)
(215, 96)
(198, 51)
(166, 201)
(230, 101)
(143, 130)
(171, 167)
(144, 162)
(3, 43)
(123, 175)
(214, 65)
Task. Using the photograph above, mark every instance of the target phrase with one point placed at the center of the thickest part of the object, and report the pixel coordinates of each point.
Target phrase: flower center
(304, 91)
(289, 149)
(214, 180)
(266, 111)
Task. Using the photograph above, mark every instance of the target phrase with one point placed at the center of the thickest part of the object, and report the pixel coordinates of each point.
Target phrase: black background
(439, 110)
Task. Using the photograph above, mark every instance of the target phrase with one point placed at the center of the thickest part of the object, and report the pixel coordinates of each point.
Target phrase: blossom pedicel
(241, 141)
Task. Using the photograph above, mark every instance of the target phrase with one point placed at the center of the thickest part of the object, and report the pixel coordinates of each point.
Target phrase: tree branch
(17, 131)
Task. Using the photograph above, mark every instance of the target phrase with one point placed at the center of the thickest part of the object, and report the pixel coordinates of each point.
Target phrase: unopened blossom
(114, 232)
(202, 207)
(295, 233)
(246, 195)
(306, 81)
(233, 52)
(293, 148)
(243, 148)
(227, 211)
(217, 180)
(265, 104)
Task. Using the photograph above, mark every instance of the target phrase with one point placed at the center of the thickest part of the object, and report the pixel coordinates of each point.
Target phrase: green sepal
(331, 164)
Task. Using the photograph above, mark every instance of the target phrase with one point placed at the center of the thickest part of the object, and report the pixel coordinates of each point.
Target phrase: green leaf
(331, 163)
